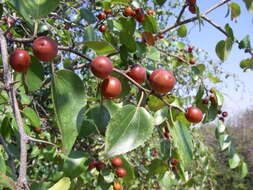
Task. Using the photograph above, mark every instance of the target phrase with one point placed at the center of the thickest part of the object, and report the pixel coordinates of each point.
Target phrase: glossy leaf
(120, 1)
(244, 169)
(157, 167)
(34, 8)
(30, 114)
(161, 115)
(150, 24)
(68, 102)
(100, 47)
(223, 49)
(99, 115)
(35, 75)
(127, 40)
(183, 142)
(128, 25)
(62, 184)
(224, 141)
(74, 164)
(128, 129)
(234, 161)
(245, 43)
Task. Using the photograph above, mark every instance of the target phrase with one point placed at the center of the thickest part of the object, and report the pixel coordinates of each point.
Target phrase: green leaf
(129, 128)
(182, 31)
(224, 141)
(160, 2)
(35, 75)
(235, 10)
(62, 184)
(101, 47)
(157, 167)
(90, 34)
(74, 164)
(161, 115)
(223, 48)
(124, 83)
(68, 102)
(99, 115)
(183, 142)
(219, 97)
(229, 32)
(34, 8)
(245, 43)
(2, 164)
(211, 113)
(249, 5)
(213, 78)
(127, 40)
(128, 179)
(244, 169)
(121, 2)
(234, 161)
(32, 116)
(220, 127)
(111, 106)
(153, 54)
(128, 25)
(7, 182)
(88, 127)
(150, 24)
(88, 16)
(167, 181)
(246, 63)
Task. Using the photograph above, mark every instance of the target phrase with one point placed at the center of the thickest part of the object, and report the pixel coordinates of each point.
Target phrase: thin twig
(22, 180)
(181, 13)
(172, 55)
(40, 141)
(215, 25)
(70, 49)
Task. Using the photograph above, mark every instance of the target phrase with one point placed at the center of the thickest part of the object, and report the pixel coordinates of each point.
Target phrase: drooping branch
(214, 25)
(8, 80)
(70, 49)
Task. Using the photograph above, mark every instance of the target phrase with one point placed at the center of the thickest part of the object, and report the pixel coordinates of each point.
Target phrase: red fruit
(205, 101)
(128, 11)
(102, 28)
(166, 134)
(66, 27)
(108, 11)
(162, 81)
(154, 153)
(150, 12)
(116, 162)
(117, 186)
(224, 114)
(189, 50)
(161, 36)
(100, 165)
(213, 99)
(140, 16)
(191, 2)
(111, 87)
(121, 172)
(174, 161)
(138, 73)
(174, 168)
(20, 60)
(44, 48)
(192, 9)
(194, 114)
(192, 61)
(92, 165)
(9, 34)
(101, 66)
(101, 16)
(10, 21)
(37, 130)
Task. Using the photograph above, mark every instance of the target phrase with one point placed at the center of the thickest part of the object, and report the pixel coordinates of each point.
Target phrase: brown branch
(172, 55)
(8, 80)
(181, 13)
(131, 80)
(215, 25)
(70, 49)
(23, 40)
(194, 18)
(40, 141)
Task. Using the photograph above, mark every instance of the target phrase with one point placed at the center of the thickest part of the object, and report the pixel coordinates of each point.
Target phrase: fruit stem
(141, 98)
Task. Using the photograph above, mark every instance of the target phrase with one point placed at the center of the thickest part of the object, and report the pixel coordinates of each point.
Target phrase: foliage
(71, 131)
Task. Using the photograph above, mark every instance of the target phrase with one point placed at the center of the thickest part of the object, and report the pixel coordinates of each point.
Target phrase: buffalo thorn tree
(85, 82)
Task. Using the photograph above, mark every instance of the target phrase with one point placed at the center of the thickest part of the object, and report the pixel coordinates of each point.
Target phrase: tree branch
(214, 25)
(70, 49)
(181, 13)
(22, 181)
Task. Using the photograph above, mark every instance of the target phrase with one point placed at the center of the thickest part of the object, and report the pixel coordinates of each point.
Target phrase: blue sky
(207, 39)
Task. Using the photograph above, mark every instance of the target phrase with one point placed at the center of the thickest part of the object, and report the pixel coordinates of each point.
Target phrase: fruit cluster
(44, 49)
(192, 6)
